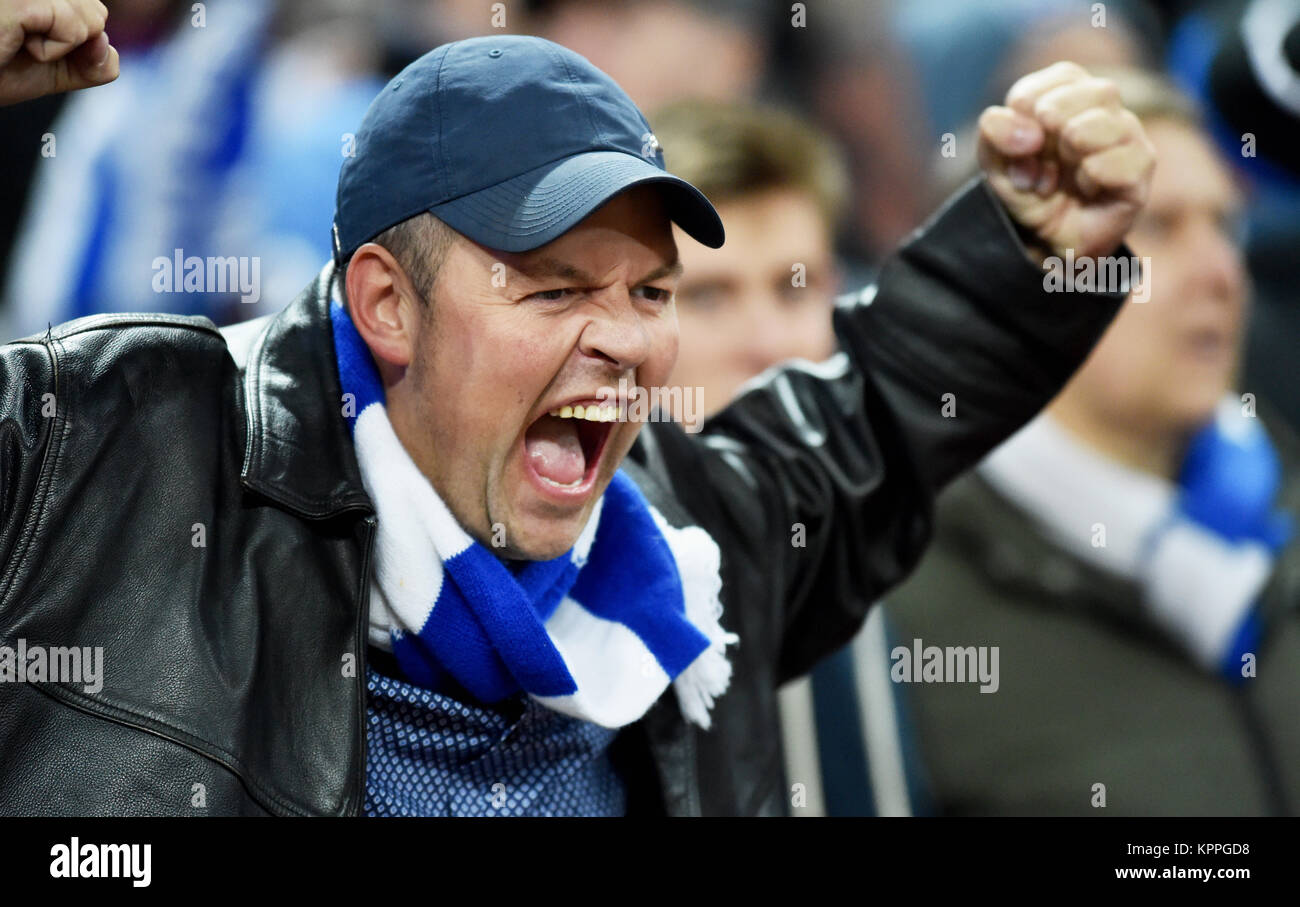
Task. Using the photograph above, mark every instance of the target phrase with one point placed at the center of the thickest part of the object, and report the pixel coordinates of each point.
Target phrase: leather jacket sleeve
(822, 477)
(28, 414)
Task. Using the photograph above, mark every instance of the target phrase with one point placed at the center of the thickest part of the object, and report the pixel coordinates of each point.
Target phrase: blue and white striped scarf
(1202, 548)
(595, 633)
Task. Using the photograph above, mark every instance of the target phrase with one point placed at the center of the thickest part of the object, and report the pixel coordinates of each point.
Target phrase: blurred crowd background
(825, 132)
(226, 131)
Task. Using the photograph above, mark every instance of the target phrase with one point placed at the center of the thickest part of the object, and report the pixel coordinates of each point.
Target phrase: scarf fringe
(698, 563)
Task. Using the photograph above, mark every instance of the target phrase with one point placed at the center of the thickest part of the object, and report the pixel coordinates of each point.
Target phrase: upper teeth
(593, 413)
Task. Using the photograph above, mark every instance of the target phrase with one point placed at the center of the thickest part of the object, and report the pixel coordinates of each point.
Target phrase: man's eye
(550, 295)
(703, 298)
(656, 294)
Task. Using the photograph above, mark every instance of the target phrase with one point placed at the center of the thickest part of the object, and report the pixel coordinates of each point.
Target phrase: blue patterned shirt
(432, 755)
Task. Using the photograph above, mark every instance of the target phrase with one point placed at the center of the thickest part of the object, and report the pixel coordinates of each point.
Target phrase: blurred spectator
(780, 186)
(24, 126)
(1127, 554)
(1095, 36)
(222, 139)
(32, 87)
(972, 56)
(765, 296)
(1242, 60)
(968, 54)
(843, 66)
(662, 50)
(136, 169)
(224, 135)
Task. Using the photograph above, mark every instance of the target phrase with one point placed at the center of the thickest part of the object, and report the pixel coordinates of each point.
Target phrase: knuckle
(1076, 139)
(1107, 90)
(1047, 110)
(1095, 166)
(1088, 128)
(1068, 68)
(1020, 96)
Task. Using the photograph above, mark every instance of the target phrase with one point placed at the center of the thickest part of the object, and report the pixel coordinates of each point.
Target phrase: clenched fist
(1070, 163)
(48, 46)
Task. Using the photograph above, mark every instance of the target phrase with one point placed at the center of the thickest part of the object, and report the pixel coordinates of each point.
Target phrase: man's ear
(383, 304)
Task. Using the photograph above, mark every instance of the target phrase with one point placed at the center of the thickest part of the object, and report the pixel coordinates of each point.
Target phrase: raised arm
(823, 476)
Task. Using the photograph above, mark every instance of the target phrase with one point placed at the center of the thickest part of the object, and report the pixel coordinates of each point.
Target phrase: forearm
(963, 339)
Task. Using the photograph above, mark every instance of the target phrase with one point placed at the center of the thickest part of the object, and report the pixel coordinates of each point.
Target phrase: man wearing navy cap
(414, 546)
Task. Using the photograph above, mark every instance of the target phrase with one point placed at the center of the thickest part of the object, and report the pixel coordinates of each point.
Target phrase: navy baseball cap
(510, 140)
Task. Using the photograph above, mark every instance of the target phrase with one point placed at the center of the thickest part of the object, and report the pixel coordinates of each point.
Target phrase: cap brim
(532, 209)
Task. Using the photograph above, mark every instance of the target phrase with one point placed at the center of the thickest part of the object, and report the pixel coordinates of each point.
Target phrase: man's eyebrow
(553, 267)
(672, 269)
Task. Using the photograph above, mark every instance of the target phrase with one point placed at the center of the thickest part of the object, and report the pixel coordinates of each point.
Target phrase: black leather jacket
(188, 500)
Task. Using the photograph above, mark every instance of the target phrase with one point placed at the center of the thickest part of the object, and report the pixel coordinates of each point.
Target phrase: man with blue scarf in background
(413, 546)
(1130, 551)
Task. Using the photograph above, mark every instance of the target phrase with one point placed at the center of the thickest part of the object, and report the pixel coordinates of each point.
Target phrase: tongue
(555, 451)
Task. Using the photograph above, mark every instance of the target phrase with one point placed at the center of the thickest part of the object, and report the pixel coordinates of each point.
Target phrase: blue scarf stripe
(454, 639)
(634, 558)
(513, 628)
(466, 657)
(417, 665)
(547, 582)
(357, 372)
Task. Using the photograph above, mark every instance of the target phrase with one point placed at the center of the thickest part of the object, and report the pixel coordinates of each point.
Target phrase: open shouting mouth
(564, 449)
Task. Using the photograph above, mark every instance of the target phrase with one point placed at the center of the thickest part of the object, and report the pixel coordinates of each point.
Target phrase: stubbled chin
(537, 531)
(544, 540)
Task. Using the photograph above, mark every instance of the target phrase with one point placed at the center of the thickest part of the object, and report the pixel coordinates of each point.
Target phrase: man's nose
(617, 333)
(767, 334)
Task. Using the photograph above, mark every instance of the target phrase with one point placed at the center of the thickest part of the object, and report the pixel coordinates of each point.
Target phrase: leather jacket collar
(298, 452)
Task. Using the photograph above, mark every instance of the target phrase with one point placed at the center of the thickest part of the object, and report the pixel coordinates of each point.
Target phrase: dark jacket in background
(1091, 691)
